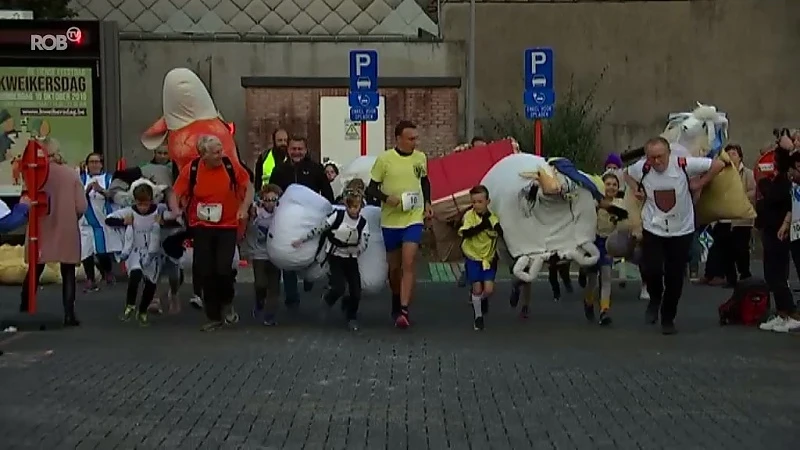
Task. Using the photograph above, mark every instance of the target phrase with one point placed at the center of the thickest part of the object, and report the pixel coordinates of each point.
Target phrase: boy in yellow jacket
(480, 231)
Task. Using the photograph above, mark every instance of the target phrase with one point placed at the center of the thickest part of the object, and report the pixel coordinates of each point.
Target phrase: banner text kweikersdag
(43, 83)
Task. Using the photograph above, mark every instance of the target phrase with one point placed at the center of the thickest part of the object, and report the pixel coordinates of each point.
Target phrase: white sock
(476, 305)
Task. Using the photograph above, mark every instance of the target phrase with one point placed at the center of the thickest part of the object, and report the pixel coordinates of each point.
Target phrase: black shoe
(588, 311)
(308, 286)
(651, 315)
(484, 306)
(605, 318)
(668, 329)
(478, 325)
(513, 300)
(71, 321)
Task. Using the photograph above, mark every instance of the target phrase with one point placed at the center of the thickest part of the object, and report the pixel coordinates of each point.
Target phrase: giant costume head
(701, 132)
(545, 210)
(189, 112)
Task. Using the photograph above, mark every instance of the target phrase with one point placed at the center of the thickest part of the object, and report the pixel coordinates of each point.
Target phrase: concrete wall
(222, 64)
(661, 57)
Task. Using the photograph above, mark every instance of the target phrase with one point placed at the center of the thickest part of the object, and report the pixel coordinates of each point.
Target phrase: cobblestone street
(552, 381)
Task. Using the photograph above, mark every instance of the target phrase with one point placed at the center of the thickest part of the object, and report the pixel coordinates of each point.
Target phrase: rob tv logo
(57, 42)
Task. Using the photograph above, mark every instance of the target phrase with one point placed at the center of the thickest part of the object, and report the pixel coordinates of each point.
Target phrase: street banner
(43, 103)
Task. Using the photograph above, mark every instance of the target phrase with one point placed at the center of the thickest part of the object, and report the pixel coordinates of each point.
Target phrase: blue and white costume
(96, 236)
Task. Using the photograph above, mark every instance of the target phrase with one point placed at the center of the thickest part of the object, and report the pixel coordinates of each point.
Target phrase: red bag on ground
(749, 304)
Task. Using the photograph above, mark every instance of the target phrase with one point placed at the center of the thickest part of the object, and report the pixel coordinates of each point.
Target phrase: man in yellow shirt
(399, 179)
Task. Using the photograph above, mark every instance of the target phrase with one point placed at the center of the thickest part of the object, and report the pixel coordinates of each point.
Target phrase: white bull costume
(544, 212)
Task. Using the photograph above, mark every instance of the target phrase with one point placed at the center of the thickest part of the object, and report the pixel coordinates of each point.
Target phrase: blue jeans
(290, 288)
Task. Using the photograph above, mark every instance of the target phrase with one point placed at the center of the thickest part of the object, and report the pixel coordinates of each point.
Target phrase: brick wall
(434, 110)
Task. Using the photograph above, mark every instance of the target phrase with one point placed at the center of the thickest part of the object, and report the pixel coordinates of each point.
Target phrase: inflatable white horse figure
(543, 213)
(701, 132)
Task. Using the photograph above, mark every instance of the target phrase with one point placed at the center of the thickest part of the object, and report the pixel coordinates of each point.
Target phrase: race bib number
(209, 212)
(410, 200)
(794, 231)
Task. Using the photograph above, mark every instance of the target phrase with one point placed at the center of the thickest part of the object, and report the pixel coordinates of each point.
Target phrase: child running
(345, 233)
(141, 249)
(480, 232)
(267, 277)
(608, 214)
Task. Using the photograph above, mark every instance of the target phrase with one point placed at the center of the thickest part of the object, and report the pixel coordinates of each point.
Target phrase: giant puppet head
(189, 112)
(546, 210)
(701, 132)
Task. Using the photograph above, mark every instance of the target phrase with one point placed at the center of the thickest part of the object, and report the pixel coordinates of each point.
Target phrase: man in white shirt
(666, 183)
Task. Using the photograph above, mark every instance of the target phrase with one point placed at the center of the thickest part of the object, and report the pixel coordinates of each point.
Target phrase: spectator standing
(271, 157)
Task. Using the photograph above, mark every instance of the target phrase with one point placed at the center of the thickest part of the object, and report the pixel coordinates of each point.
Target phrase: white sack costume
(537, 225)
(360, 167)
(372, 263)
(299, 211)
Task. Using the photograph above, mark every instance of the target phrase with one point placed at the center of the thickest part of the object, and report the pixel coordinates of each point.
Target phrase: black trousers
(664, 263)
(103, 265)
(794, 248)
(67, 288)
(729, 256)
(135, 278)
(345, 274)
(740, 246)
(553, 272)
(776, 270)
(213, 253)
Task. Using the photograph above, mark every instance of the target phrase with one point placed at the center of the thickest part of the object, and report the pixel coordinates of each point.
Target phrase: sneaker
(212, 326)
(230, 316)
(478, 325)
(196, 302)
(524, 312)
(668, 329)
(402, 321)
(588, 311)
(129, 312)
(694, 276)
(484, 306)
(789, 325)
(516, 291)
(605, 318)
(142, 319)
(257, 312)
(772, 323)
(269, 320)
(155, 306)
(352, 325)
(643, 294)
(91, 286)
(651, 314)
(556, 299)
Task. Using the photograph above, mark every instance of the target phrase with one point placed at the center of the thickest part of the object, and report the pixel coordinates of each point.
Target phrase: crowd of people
(224, 207)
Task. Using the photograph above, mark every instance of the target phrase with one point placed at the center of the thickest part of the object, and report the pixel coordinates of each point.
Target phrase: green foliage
(43, 9)
(573, 132)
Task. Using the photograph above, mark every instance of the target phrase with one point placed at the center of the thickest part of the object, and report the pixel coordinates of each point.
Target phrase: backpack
(195, 164)
(337, 222)
(748, 305)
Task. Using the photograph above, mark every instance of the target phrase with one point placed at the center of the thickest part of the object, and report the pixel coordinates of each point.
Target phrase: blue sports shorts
(393, 238)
